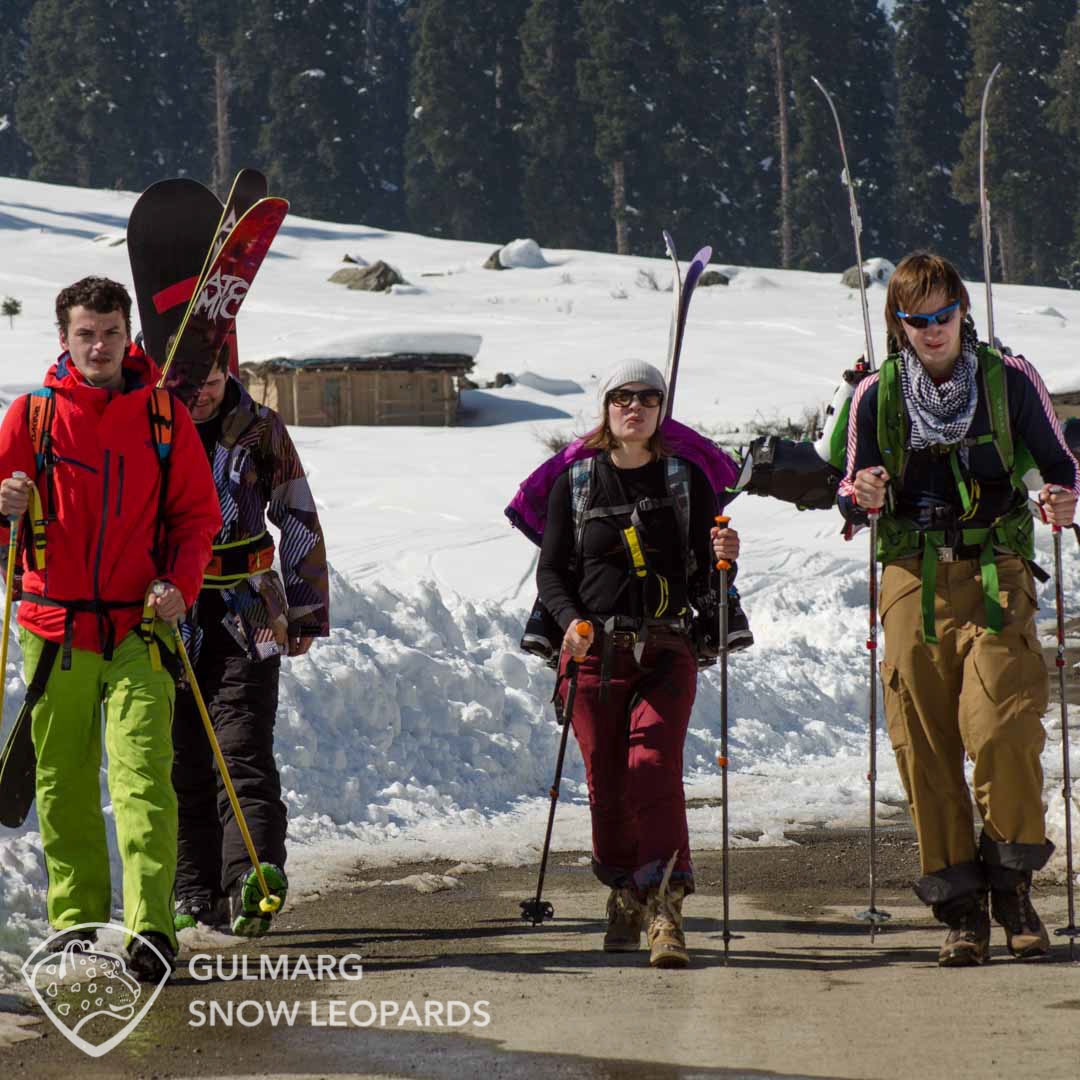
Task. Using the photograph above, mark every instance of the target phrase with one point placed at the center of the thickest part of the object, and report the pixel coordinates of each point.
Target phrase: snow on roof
(355, 346)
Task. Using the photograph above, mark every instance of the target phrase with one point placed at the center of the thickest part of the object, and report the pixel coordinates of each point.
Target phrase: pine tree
(316, 108)
(463, 172)
(819, 205)
(933, 55)
(623, 80)
(10, 307)
(217, 29)
(176, 113)
(387, 64)
(15, 157)
(1029, 179)
(709, 157)
(82, 110)
(564, 199)
(1063, 113)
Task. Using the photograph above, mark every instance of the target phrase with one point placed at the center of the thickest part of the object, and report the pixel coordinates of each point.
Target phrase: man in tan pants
(937, 441)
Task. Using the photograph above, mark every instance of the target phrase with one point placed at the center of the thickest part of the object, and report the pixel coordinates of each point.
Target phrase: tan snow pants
(974, 693)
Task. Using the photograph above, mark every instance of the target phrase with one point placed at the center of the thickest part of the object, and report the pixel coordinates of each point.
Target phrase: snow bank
(548, 385)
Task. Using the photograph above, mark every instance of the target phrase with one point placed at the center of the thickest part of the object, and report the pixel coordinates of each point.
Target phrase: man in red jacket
(128, 500)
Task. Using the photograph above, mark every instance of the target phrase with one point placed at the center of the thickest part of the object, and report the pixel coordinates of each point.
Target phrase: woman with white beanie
(630, 540)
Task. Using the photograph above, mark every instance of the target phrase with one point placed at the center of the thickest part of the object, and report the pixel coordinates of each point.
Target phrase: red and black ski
(212, 313)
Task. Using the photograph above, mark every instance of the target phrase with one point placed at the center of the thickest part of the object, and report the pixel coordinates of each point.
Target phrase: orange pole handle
(584, 628)
(722, 521)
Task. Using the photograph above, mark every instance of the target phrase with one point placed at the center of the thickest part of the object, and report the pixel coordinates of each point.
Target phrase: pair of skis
(193, 261)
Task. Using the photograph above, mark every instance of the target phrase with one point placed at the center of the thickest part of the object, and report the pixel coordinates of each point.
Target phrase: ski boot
(145, 964)
(246, 917)
(191, 910)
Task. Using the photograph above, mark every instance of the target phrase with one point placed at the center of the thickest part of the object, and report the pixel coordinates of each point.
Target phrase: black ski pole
(1070, 931)
(722, 758)
(873, 915)
(536, 910)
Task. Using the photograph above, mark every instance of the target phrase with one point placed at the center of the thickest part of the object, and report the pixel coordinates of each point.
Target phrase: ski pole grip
(1054, 490)
(722, 521)
(584, 628)
(875, 511)
(18, 475)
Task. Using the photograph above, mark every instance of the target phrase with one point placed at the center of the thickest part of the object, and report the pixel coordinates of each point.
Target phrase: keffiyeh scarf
(941, 414)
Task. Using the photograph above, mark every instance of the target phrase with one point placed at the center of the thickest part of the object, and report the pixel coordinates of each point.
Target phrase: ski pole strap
(37, 528)
(146, 630)
(239, 560)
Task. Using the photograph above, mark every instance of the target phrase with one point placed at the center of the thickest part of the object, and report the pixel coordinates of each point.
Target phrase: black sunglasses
(649, 399)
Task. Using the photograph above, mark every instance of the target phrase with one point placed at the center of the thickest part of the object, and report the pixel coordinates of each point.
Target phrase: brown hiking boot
(624, 918)
(1024, 931)
(663, 917)
(968, 941)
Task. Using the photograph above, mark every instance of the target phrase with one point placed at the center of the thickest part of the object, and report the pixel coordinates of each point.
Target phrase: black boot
(1010, 901)
(968, 940)
(145, 964)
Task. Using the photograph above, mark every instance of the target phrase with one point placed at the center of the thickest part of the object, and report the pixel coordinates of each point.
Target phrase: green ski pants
(66, 730)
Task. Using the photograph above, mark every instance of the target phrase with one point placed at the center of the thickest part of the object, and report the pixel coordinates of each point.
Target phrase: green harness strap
(987, 570)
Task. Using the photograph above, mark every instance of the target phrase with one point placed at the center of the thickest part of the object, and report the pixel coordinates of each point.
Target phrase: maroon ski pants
(632, 745)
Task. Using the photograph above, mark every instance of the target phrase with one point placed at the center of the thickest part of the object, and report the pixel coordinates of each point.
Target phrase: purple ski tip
(703, 256)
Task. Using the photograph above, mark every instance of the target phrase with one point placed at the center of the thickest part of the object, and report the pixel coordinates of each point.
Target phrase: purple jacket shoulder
(528, 509)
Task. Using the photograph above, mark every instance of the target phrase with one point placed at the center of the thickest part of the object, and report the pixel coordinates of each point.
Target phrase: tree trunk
(786, 244)
(1004, 254)
(618, 206)
(223, 154)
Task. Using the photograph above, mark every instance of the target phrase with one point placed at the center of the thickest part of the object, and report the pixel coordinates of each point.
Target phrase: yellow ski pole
(269, 903)
(9, 582)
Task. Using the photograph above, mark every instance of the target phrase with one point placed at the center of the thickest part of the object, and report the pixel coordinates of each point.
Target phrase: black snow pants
(241, 697)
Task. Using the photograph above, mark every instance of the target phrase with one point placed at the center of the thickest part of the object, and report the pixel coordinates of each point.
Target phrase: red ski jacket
(106, 493)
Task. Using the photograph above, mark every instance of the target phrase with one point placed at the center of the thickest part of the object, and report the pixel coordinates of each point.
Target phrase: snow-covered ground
(418, 729)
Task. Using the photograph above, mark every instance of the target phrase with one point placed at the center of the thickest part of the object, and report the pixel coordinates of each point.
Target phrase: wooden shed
(1067, 404)
(401, 388)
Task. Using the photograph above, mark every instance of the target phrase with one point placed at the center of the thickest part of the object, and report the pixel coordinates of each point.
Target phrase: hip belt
(239, 560)
(626, 632)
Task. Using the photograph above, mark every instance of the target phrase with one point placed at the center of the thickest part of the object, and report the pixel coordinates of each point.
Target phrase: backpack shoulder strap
(677, 477)
(581, 483)
(992, 369)
(40, 409)
(160, 408)
(891, 417)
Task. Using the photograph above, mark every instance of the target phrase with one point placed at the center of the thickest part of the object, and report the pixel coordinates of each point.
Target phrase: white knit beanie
(631, 371)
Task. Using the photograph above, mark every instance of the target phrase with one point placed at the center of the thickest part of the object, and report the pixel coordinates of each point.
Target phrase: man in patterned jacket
(245, 619)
